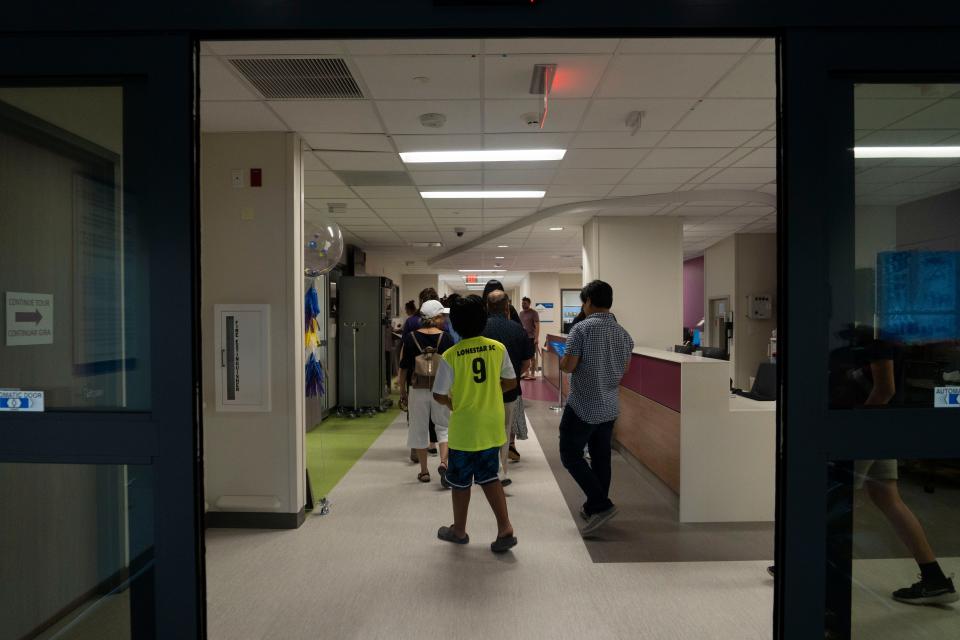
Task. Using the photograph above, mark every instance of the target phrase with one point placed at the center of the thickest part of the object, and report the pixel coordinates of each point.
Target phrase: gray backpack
(425, 364)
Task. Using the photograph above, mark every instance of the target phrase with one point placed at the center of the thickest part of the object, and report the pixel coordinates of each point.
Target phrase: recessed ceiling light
(426, 244)
(482, 194)
(498, 257)
(906, 152)
(503, 246)
(484, 155)
(556, 228)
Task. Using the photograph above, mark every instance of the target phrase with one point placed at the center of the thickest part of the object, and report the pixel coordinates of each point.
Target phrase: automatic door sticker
(21, 400)
(946, 397)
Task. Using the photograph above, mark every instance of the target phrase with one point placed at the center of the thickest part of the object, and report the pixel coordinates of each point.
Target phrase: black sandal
(423, 476)
(442, 472)
(447, 535)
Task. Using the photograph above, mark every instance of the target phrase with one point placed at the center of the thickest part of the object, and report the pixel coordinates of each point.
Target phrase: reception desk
(678, 419)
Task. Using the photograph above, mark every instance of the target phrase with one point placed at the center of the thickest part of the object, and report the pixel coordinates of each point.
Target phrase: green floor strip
(336, 445)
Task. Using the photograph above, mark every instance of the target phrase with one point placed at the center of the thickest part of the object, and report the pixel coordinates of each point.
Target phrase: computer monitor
(715, 352)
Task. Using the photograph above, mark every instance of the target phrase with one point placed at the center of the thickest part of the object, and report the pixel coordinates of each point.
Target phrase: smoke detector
(532, 119)
(433, 120)
(336, 208)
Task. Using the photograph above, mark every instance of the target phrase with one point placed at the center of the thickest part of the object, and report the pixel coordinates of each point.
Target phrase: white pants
(421, 407)
(508, 416)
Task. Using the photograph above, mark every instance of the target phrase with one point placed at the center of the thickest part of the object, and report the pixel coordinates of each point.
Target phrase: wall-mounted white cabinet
(243, 354)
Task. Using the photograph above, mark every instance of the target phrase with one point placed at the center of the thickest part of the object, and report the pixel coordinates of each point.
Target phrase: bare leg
(498, 502)
(461, 502)
(444, 453)
(422, 457)
(886, 496)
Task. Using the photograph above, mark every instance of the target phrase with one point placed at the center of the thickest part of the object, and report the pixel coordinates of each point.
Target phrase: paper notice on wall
(546, 311)
(29, 318)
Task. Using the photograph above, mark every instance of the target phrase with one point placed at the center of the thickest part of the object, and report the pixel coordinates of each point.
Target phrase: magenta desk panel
(656, 379)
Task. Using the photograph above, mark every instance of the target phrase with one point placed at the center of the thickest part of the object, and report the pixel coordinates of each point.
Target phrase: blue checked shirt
(604, 349)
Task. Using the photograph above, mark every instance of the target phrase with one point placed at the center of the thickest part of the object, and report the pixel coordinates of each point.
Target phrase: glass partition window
(73, 273)
(77, 551)
(896, 286)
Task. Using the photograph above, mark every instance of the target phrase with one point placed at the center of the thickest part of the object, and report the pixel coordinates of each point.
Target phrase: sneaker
(513, 454)
(597, 520)
(506, 482)
(433, 451)
(772, 570)
(925, 593)
(442, 472)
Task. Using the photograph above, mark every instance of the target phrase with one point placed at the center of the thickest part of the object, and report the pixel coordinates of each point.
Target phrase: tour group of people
(461, 361)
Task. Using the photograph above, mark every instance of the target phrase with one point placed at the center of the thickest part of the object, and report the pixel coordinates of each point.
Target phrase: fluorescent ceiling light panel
(484, 155)
(503, 246)
(556, 228)
(906, 152)
(482, 194)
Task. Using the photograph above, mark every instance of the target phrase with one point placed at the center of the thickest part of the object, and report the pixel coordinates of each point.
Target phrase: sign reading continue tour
(29, 318)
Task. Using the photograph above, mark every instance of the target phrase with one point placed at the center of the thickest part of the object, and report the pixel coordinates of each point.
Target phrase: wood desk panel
(651, 433)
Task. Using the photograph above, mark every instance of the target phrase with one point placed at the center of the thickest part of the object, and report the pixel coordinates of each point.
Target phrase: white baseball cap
(432, 309)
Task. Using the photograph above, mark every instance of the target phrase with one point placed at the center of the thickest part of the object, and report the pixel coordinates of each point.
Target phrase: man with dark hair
(413, 322)
(597, 354)
(520, 349)
(471, 380)
(496, 285)
(530, 320)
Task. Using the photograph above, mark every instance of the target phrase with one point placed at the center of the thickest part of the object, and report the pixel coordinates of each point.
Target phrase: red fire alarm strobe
(256, 177)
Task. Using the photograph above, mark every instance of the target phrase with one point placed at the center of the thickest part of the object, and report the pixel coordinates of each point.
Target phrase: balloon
(323, 243)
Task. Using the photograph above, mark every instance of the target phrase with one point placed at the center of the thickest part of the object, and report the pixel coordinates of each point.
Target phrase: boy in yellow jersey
(471, 380)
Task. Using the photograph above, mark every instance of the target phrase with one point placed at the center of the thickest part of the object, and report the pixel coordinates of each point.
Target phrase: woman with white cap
(419, 360)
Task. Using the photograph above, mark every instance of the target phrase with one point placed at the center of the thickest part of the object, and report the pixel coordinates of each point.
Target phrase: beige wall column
(545, 288)
(252, 253)
(642, 259)
(412, 284)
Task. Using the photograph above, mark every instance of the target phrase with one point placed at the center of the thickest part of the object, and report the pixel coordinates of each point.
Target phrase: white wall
(252, 252)
(756, 274)
(571, 281)
(642, 259)
(411, 284)
(545, 287)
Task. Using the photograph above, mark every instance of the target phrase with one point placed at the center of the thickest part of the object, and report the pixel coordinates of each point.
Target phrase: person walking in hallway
(520, 350)
(530, 320)
(597, 354)
(471, 381)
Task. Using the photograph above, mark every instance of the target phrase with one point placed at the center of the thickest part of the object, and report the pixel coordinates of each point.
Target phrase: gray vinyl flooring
(373, 568)
(647, 528)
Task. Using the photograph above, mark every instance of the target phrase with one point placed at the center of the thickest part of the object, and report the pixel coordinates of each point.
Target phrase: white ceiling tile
(617, 140)
(403, 116)
(660, 176)
(769, 188)
(348, 142)
(603, 158)
(508, 213)
(686, 157)
(535, 140)
(535, 178)
(734, 156)
(731, 114)
(766, 45)
(761, 157)
(361, 161)
(551, 45)
(659, 115)
(687, 45)
(505, 116)
(327, 192)
(321, 179)
(352, 204)
(333, 116)
(238, 116)
(763, 138)
(394, 203)
(664, 76)
(508, 76)
(218, 82)
(642, 189)
(387, 192)
(754, 77)
(590, 176)
(313, 163)
(437, 142)
(728, 185)
(889, 175)
(394, 77)
(943, 115)
(695, 211)
(274, 47)
(553, 202)
(413, 46)
(896, 137)
(704, 139)
(446, 178)
(916, 188)
(947, 174)
(873, 113)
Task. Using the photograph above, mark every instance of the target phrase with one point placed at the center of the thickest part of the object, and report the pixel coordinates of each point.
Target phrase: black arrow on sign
(28, 316)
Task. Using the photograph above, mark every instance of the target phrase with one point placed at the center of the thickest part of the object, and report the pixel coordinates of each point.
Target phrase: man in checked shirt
(597, 355)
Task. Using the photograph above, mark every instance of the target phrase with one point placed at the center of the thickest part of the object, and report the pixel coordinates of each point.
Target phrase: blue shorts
(466, 467)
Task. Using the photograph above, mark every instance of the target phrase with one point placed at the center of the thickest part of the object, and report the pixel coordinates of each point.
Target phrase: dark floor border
(253, 520)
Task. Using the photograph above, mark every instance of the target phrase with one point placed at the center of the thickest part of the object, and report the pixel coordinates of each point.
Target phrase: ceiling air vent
(299, 78)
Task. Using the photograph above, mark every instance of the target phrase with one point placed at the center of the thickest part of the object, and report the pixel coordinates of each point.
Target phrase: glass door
(99, 461)
(870, 465)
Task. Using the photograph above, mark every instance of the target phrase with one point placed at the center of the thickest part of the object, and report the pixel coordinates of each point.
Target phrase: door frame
(159, 141)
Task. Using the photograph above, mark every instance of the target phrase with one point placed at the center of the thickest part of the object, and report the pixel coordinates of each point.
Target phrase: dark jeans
(593, 478)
